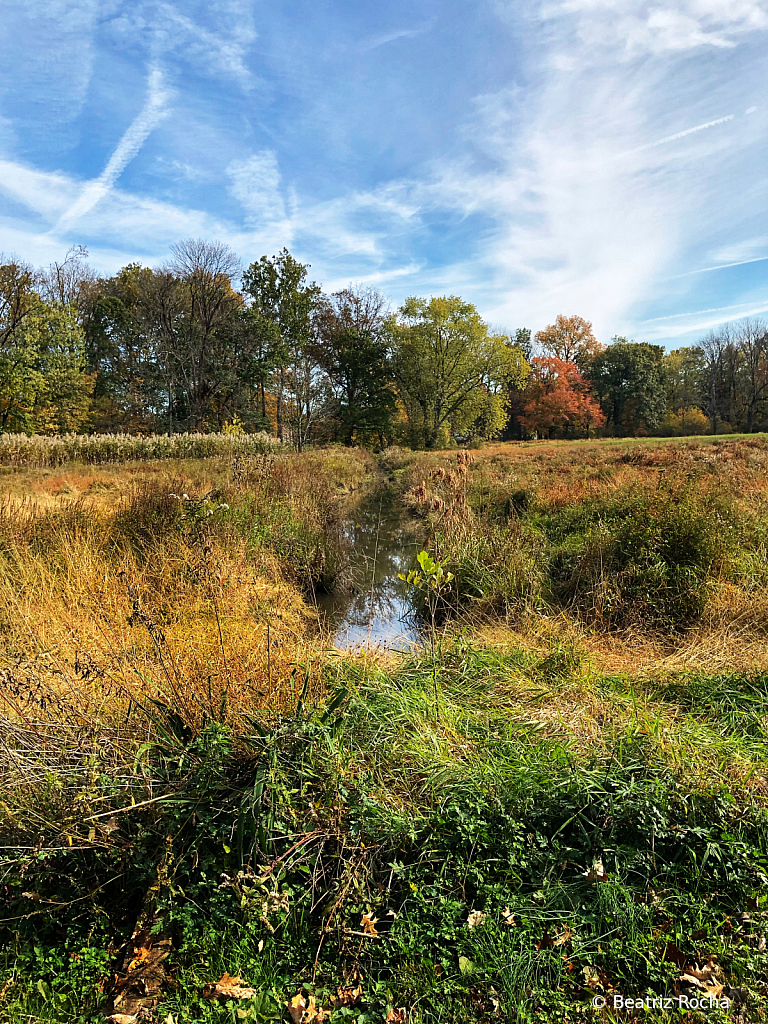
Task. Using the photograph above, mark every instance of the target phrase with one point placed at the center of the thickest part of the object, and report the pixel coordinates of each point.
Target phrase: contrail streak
(722, 266)
(679, 135)
(150, 115)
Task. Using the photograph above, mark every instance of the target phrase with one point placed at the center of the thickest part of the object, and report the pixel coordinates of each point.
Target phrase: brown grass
(107, 602)
(731, 635)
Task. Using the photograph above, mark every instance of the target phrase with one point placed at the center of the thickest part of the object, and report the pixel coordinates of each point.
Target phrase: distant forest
(199, 345)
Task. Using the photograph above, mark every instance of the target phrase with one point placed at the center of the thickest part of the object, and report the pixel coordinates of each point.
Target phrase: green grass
(496, 796)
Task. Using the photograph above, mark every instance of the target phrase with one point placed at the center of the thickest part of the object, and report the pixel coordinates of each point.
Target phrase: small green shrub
(650, 558)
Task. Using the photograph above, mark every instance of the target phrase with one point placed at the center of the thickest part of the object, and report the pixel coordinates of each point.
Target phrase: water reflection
(376, 611)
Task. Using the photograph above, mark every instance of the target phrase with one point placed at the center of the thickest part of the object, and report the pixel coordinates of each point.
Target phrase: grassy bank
(471, 851)
(567, 801)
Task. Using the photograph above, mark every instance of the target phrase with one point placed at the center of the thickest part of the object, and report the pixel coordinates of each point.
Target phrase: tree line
(199, 344)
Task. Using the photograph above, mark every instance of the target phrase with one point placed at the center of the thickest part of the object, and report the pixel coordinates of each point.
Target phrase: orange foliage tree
(569, 338)
(557, 399)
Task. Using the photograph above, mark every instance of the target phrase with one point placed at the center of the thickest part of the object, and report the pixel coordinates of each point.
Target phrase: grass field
(560, 796)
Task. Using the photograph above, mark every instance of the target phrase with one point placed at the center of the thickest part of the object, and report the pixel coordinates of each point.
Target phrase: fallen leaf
(476, 918)
(297, 1008)
(675, 955)
(700, 974)
(367, 923)
(563, 937)
(399, 1016)
(304, 1010)
(705, 978)
(228, 987)
(465, 965)
(140, 957)
(6, 986)
(545, 942)
(596, 873)
(714, 989)
(346, 996)
(508, 918)
(122, 1018)
(591, 978)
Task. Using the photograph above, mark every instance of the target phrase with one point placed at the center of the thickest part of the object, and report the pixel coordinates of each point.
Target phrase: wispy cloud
(373, 42)
(572, 185)
(572, 226)
(224, 51)
(154, 109)
(695, 312)
(632, 27)
(690, 326)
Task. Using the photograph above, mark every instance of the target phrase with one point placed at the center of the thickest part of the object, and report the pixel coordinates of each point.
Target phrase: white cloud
(699, 321)
(634, 27)
(225, 51)
(255, 183)
(122, 227)
(590, 202)
(741, 252)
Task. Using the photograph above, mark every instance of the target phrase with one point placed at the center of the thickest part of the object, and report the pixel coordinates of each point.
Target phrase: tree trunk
(280, 404)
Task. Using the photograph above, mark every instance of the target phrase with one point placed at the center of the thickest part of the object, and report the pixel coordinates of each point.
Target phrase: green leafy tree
(44, 386)
(629, 381)
(352, 348)
(64, 400)
(282, 303)
(450, 371)
(123, 340)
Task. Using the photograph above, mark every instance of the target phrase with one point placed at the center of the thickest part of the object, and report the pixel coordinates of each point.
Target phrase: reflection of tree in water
(377, 606)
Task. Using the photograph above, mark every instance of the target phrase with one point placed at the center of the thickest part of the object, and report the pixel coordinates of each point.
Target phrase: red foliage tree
(557, 399)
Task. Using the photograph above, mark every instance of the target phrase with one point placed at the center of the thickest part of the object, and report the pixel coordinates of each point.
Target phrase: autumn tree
(69, 282)
(557, 400)
(451, 372)
(199, 308)
(684, 370)
(570, 339)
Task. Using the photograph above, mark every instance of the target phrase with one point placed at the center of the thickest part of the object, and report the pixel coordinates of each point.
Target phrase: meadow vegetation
(567, 799)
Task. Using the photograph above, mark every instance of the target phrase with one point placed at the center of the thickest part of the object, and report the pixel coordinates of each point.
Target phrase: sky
(605, 158)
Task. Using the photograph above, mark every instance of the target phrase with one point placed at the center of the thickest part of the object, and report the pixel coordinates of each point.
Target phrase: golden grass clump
(148, 585)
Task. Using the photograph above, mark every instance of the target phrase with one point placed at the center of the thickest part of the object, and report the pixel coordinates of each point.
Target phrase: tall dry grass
(38, 450)
(200, 600)
(655, 553)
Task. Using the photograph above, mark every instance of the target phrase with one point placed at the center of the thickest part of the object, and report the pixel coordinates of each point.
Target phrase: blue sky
(600, 157)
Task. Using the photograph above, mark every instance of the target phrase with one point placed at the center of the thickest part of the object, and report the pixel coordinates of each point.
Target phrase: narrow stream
(376, 612)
